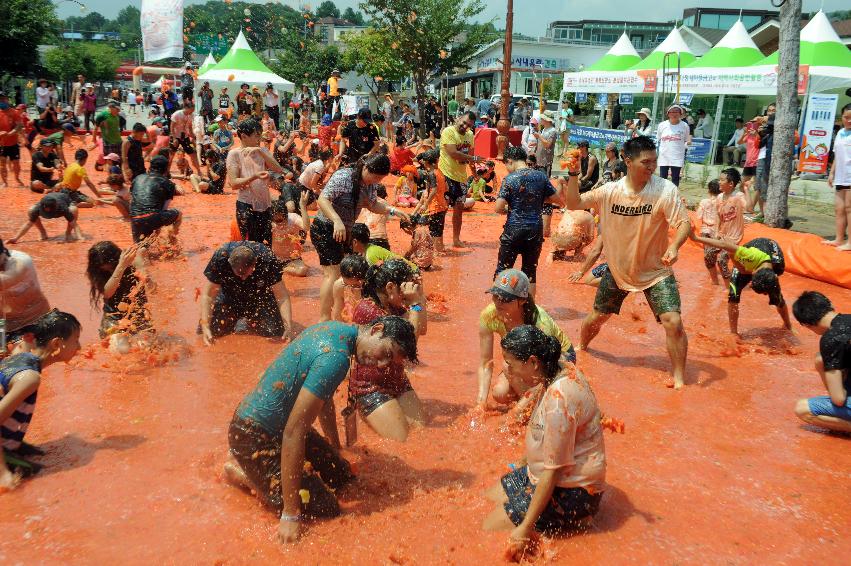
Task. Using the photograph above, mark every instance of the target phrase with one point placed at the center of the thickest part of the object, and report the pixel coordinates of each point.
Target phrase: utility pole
(786, 118)
(504, 124)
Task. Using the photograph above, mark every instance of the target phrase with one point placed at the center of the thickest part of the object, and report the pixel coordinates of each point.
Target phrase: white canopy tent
(242, 66)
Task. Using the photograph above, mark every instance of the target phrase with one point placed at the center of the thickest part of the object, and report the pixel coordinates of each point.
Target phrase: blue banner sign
(598, 137)
(698, 150)
(581, 97)
(625, 98)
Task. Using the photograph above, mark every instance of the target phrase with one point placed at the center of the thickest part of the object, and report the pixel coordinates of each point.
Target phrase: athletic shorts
(147, 225)
(50, 183)
(436, 223)
(112, 148)
(75, 196)
(456, 192)
(522, 241)
(184, 142)
(822, 406)
(738, 282)
(566, 507)
(749, 171)
(330, 251)
(662, 297)
(258, 453)
(369, 402)
(842, 187)
(11, 152)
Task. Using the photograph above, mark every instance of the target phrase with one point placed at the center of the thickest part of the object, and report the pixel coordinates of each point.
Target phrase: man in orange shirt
(11, 125)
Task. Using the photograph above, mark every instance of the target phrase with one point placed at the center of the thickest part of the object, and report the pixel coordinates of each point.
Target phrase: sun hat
(645, 111)
(112, 157)
(548, 116)
(674, 107)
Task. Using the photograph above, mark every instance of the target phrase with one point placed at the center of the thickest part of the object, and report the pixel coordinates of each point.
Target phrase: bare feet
(234, 475)
(674, 383)
(832, 242)
(458, 244)
(845, 248)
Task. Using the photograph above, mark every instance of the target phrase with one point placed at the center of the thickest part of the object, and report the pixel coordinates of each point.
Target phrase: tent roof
(673, 43)
(820, 46)
(242, 65)
(620, 57)
(736, 49)
(208, 64)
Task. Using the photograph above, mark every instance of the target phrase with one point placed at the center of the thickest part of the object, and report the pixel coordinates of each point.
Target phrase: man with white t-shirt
(635, 215)
(673, 136)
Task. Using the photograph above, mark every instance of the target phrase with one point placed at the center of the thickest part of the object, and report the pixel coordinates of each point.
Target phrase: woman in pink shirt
(560, 481)
(750, 139)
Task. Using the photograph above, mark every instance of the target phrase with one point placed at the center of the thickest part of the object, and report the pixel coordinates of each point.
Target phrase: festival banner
(599, 137)
(699, 150)
(162, 29)
(817, 134)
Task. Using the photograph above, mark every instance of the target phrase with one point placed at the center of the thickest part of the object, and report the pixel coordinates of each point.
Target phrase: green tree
(97, 61)
(327, 10)
(307, 61)
(93, 21)
(370, 54)
(26, 24)
(354, 17)
(427, 35)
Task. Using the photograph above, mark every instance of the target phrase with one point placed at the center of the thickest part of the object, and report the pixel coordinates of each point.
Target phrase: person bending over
(52, 205)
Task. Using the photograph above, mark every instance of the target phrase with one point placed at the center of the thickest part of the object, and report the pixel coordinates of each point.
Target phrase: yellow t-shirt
(545, 324)
(453, 169)
(750, 258)
(376, 254)
(333, 86)
(74, 176)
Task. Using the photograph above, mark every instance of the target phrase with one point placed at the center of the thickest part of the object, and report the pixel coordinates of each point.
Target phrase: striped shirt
(12, 431)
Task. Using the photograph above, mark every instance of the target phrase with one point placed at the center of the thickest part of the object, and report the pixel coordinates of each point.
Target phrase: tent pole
(655, 106)
(716, 129)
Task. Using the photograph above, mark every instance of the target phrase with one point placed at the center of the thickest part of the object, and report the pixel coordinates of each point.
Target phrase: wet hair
(360, 233)
(113, 180)
(431, 156)
(733, 175)
(634, 147)
(102, 253)
(531, 160)
(163, 152)
(381, 191)
(159, 164)
(80, 154)
(279, 206)
(378, 276)
(325, 154)
(620, 167)
(765, 281)
(811, 306)
(354, 266)
(384, 149)
(400, 140)
(401, 332)
(54, 324)
(212, 155)
(713, 187)
(526, 341)
(248, 127)
(376, 163)
(139, 127)
(515, 153)
(241, 258)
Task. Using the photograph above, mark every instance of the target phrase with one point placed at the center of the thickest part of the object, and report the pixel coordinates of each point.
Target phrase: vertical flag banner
(818, 131)
(162, 29)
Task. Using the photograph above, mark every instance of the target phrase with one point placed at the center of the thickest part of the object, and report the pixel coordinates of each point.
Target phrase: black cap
(583, 143)
(268, 85)
(365, 114)
(47, 141)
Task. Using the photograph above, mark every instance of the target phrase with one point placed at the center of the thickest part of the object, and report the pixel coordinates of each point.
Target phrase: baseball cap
(114, 105)
(69, 127)
(510, 284)
(112, 157)
(47, 141)
(365, 114)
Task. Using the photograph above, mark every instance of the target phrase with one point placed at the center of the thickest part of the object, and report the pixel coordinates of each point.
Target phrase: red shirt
(9, 118)
(390, 380)
(400, 157)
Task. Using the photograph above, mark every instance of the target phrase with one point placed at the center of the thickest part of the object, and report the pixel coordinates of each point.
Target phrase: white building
(531, 61)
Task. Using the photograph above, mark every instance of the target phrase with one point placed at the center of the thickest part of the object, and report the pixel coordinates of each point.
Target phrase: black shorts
(254, 225)
(261, 315)
(842, 187)
(566, 507)
(523, 241)
(738, 282)
(436, 223)
(11, 152)
(184, 142)
(380, 242)
(147, 225)
(50, 183)
(749, 171)
(369, 402)
(330, 251)
(456, 192)
(75, 196)
(258, 453)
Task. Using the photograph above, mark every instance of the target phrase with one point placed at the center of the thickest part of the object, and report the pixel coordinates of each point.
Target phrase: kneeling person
(271, 434)
(833, 362)
(245, 282)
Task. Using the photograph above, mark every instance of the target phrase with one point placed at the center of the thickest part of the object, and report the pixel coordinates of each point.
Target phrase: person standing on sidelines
(456, 147)
(673, 136)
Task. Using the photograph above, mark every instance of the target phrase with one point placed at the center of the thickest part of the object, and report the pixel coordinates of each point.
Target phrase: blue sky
(527, 13)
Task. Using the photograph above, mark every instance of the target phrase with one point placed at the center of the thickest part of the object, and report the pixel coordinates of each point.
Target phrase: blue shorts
(600, 270)
(822, 406)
